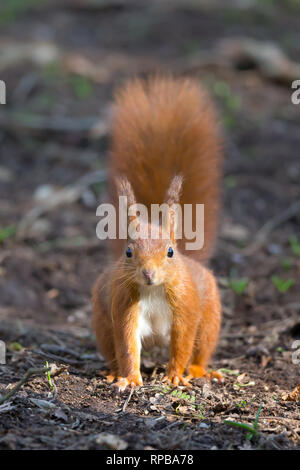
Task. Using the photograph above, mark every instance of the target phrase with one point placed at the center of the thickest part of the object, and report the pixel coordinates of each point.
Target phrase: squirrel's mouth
(147, 282)
(148, 277)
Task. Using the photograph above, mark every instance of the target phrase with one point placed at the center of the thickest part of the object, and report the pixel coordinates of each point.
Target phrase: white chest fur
(155, 315)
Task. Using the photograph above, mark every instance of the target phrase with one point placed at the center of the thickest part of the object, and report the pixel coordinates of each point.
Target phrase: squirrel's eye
(170, 252)
(128, 253)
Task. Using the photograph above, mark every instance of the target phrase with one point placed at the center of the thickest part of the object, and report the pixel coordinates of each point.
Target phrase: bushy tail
(163, 127)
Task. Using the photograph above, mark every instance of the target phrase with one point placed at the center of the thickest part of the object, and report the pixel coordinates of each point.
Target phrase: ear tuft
(172, 199)
(124, 188)
(174, 191)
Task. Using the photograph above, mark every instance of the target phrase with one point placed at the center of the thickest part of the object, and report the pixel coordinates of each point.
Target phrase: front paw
(176, 379)
(130, 381)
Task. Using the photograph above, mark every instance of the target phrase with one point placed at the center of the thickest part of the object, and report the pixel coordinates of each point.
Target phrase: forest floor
(53, 144)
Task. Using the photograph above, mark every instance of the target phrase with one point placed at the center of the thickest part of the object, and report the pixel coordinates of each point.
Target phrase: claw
(124, 382)
(177, 379)
(110, 378)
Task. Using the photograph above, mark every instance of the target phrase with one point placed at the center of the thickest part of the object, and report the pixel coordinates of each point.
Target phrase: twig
(54, 348)
(57, 358)
(127, 400)
(54, 394)
(154, 372)
(266, 56)
(269, 226)
(67, 195)
(24, 379)
(281, 417)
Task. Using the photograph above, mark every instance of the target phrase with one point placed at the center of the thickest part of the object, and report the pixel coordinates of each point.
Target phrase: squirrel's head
(151, 252)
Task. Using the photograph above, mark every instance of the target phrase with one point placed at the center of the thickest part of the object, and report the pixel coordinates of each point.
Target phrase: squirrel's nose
(148, 276)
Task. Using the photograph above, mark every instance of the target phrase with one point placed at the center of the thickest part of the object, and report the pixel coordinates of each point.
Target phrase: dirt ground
(54, 140)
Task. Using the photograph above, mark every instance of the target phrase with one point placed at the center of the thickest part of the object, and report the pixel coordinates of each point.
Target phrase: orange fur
(162, 128)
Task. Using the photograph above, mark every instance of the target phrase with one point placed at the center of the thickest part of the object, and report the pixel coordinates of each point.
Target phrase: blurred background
(61, 62)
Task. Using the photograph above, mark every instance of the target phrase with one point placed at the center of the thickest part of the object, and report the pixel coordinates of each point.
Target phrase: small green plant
(238, 285)
(252, 429)
(229, 372)
(82, 87)
(52, 70)
(7, 232)
(231, 101)
(230, 181)
(241, 404)
(200, 411)
(183, 395)
(223, 90)
(15, 346)
(282, 285)
(11, 9)
(295, 245)
(286, 263)
(48, 376)
(239, 385)
(197, 411)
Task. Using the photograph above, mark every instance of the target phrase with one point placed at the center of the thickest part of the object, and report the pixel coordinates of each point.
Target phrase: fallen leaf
(111, 441)
(265, 360)
(43, 404)
(60, 414)
(292, 396)
(6, 407)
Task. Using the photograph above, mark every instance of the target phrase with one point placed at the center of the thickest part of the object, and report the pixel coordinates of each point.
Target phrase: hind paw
(196, 372)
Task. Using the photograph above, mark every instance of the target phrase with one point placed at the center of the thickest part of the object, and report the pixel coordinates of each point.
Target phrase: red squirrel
(166, 147)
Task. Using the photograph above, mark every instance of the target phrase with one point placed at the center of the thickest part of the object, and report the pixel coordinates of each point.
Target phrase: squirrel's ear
(172, 199)
(124, 188)
(173, 193)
